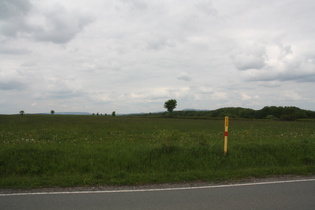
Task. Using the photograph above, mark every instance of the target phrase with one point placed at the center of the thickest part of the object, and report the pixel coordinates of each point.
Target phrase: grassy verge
(43, 151)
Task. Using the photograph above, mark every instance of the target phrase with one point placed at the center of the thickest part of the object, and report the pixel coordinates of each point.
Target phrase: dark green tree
(22, 112)
(170, 105)
(113, 113)
(52, 112)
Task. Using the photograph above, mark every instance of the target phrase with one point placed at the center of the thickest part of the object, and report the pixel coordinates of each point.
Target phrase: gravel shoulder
(155, 186)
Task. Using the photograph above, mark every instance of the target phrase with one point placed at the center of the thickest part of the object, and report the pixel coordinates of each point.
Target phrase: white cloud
(281, 63)
(250, 55)
(292, 95)
(245, 96)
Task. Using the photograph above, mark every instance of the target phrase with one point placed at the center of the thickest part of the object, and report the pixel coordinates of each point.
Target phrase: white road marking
(161, 189)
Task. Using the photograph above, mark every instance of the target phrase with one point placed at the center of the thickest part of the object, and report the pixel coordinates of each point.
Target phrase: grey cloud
(184, 77)
(207, 7)
(59, 93)
(246, 61)
(160, 43)
(134, 4)
(285, 76)
(14, 28)
(58, 25)
(17, 51)
(64, 94)
(11, 85)
(60, 88)
(13, 8)
(12, 16)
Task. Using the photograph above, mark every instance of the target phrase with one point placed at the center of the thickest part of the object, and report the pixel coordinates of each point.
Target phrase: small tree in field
(52, 112)
(170, 105)
(22, 112)
(113, 113)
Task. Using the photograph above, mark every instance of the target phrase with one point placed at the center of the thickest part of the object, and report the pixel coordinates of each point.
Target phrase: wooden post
(226, 133)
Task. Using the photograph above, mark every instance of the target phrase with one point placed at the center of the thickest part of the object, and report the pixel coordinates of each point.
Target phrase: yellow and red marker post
(226, 134)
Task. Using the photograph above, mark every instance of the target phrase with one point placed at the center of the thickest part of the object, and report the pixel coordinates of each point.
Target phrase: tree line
(286, 113)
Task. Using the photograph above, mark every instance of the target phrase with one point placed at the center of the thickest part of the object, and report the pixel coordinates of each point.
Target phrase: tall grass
(41, 151)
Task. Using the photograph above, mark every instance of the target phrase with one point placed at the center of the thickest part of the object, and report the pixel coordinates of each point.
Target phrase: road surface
(289, 194)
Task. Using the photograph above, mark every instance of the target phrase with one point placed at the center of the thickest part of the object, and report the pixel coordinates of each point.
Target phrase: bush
(287, 117)
(271, 117)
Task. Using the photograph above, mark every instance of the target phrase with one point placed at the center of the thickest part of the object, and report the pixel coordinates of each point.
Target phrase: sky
(130, 56)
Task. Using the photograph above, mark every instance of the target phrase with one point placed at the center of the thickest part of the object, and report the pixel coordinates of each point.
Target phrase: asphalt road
(290, 194)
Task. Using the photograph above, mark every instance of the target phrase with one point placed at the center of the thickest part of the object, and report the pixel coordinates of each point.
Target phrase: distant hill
(196, 110)
(64, 113)
(73, 113)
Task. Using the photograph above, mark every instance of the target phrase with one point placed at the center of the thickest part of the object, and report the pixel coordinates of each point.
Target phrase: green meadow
(56, 150)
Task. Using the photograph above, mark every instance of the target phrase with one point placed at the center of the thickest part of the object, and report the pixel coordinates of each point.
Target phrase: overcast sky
(131, 56)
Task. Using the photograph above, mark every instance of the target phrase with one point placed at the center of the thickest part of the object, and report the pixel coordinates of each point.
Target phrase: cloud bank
(132, 56)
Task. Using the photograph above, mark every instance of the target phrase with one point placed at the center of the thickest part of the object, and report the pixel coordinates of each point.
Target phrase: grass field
(53, 150)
